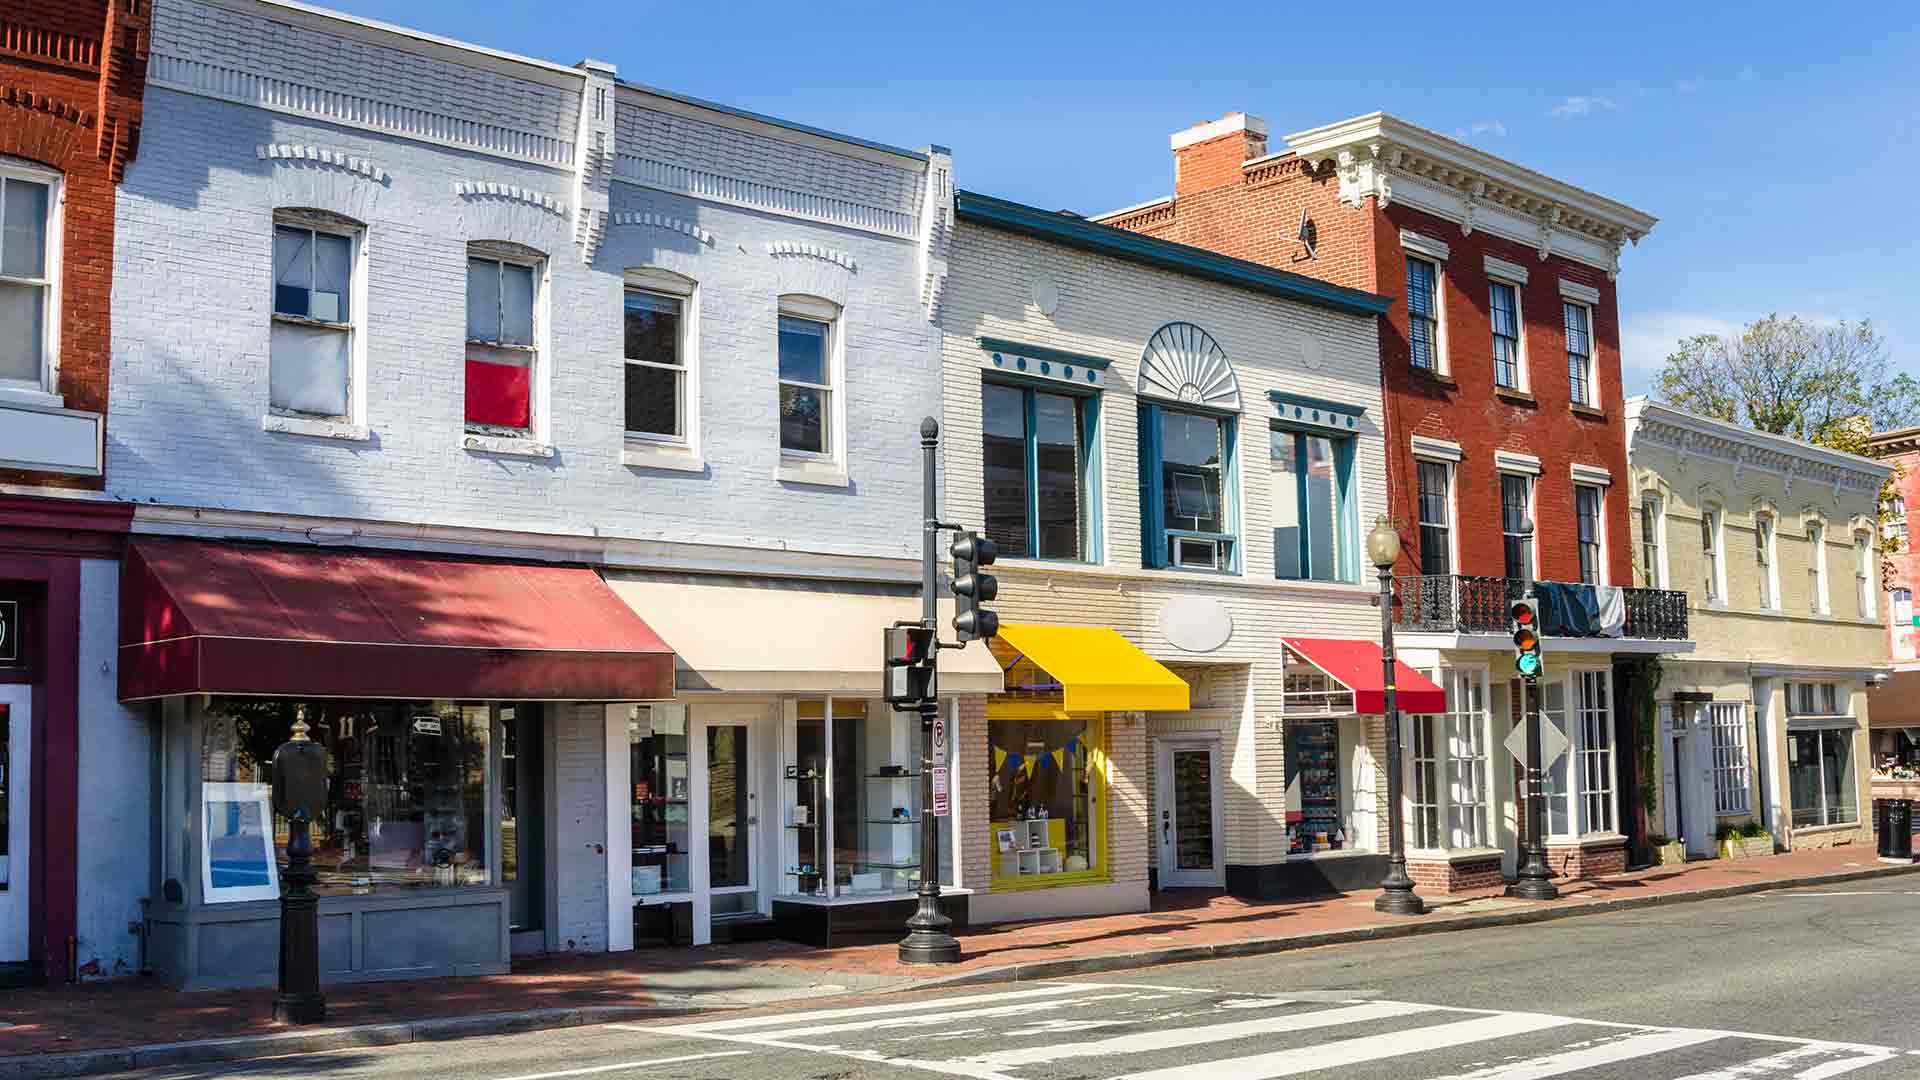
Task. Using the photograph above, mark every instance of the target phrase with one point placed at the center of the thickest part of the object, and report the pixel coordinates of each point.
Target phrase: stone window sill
(1433, 376)
(506, 445)
(316, 428)
(1587, 411)
(1517, 397)
(819, 473)
(39, 399)
(639, 454)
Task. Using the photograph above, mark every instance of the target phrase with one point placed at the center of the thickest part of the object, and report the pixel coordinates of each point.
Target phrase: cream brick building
(1773, 542)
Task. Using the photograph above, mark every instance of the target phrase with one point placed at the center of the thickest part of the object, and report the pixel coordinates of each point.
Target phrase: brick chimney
(1209, 154)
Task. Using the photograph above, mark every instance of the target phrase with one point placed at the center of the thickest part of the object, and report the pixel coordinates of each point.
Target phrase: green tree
(1789, 376)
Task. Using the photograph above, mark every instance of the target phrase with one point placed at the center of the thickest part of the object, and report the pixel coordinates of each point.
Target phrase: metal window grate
(1727, 723)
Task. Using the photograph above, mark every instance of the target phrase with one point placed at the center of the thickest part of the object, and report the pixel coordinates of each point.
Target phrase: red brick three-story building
(1503, 420)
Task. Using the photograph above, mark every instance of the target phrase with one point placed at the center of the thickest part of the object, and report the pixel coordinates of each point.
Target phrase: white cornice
(375, 32)
(1497, 267)
(1373, 153)
(1575, 291)
(1650, 423)
(1509, 461)
(1437, 449)
(629, 93)
(1422, 244)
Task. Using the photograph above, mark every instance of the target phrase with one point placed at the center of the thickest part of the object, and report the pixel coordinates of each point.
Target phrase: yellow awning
(1100, 670)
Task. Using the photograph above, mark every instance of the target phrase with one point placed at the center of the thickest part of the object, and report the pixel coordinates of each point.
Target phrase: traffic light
(971, 588)
(1525, 616)
(909, 664)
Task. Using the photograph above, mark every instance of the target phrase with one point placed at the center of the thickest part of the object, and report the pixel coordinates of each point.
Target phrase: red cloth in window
(498, 394)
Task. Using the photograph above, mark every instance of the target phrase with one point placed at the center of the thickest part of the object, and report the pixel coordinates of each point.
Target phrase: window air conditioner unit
(1188, 551)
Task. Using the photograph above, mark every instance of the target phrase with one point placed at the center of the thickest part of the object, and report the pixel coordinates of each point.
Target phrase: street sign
(940, 797)
(1552, 744)
(939, 749)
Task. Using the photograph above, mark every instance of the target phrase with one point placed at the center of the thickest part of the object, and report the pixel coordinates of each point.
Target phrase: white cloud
(1583, 105)
(1688, 86)
(1480, 127)
(1646, 339)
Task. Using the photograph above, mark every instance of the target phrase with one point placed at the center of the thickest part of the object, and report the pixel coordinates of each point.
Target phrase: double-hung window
(503, 352)
(1516, 524)
(1449, 764)
(29, 246)
(1710, 552)
(1763, 553)
(1580, 783)
(808, 328)
(1314, 519)
(1436, 517)
(310, 360)
(1896, 527)
(1653, 563)
(1587, 502)
(1038, 472)
(1863, 565)
(1503, 306)
(1579, 324)
(1187, 483)
(1423, 313)
(658, 316)
(1817, 568)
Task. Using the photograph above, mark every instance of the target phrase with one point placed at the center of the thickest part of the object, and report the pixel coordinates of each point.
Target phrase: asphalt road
(1795, 984)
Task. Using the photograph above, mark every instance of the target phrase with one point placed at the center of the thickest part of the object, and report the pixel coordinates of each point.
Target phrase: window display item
(1314, 820)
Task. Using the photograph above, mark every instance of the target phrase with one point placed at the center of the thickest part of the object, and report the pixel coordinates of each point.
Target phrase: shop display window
(1315, 819)
(851, 785)
(1046, 799)
(407, 795)
(657, 757)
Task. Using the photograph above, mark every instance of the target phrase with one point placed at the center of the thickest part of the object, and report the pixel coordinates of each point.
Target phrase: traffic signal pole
(1535, 877)
(929, 938)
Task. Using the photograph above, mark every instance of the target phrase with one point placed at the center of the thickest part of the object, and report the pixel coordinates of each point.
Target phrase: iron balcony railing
(1464, 604)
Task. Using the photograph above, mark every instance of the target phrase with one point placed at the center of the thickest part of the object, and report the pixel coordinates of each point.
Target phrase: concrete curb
(1184, 954)
(279, 1044)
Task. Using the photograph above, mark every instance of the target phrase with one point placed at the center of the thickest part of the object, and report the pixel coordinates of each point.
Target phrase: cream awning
(778, 636)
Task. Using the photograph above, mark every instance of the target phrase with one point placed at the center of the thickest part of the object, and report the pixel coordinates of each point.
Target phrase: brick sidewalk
(132, 1012)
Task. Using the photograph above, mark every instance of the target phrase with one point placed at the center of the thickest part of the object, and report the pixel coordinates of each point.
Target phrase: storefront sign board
(940, 797)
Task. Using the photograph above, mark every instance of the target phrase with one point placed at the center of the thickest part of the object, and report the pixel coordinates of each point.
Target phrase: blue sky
(1775, 143)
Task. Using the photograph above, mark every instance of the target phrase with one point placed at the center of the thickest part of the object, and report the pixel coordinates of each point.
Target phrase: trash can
(1900, 829)
(1883, 837)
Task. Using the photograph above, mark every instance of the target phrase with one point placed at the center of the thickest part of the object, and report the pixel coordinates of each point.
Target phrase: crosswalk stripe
(1198, 1036)
(1592, 1055)
(1816, 1062)
(1358, 1051)
(780, 1020)
(1018, 1008)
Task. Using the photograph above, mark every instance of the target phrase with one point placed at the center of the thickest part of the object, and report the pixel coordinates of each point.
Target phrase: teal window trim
(1154, 530)
(1345, 504)
(1301, 412)
(1088, 402)
(1042, 352)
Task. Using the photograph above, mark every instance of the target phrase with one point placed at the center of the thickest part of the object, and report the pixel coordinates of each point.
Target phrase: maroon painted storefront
(43, 542)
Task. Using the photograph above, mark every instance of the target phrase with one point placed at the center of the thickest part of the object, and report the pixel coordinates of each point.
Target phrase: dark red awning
(205, 617)
(1357, 666)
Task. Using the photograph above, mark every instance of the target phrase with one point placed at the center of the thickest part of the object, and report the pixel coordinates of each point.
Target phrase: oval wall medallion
(1196, 623)
(1046, 294)
(1311, 354)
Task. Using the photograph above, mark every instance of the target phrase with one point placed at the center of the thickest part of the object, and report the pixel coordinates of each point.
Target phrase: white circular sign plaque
(1046, 294)
(1196, 623)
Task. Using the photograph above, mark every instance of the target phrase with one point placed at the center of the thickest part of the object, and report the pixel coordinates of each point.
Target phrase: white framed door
(16, 774)
(1186, 815)
(1689, 778)
(730, 754)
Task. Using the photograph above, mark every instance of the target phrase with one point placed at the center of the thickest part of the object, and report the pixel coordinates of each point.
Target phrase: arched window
(1189, 395)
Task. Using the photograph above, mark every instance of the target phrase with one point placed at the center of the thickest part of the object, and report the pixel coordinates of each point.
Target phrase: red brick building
(1504, 425)
(71, 78)
(1893, 707)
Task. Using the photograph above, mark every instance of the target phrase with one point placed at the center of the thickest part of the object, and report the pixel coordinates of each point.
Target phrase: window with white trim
(1436, 517)
(1817, 568)
(1895, 528)
(1727, 725)
(1516, 524)
(1813, 699)
(29, 262)
(1820, 783)
(1763, 553)
(808, 366)
(658, 317)
(1578, 319)
(503, 369)
(1580, 783)
(1716, 574)
(1503, 308)
(1863, 565)
(1423, 314)
(1653, 557)
(1588, 503)
(1448, 760)
(310, 354)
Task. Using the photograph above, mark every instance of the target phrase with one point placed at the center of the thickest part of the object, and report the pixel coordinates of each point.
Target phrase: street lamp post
(1396, 896)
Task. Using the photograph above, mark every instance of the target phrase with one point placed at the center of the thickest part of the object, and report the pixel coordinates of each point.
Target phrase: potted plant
(1747, 840)
(1665, 851)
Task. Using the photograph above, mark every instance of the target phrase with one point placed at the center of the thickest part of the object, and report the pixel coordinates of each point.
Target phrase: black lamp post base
(927, 940)
(1534, 888)
(299, 1008)
(1399, 902)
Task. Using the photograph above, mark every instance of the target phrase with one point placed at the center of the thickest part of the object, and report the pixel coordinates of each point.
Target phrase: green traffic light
(1527, 663)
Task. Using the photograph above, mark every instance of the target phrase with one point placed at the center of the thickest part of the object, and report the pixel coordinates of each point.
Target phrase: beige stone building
(1773, 541)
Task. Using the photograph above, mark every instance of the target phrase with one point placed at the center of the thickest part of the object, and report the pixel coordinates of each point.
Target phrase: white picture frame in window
(353, 423)
(249, 867)
(683, 452)
(828, 467)
(45, 391)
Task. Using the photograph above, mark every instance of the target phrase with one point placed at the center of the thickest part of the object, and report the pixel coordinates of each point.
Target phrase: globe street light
(1396, 896)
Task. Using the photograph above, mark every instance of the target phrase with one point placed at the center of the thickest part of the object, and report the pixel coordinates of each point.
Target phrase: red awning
(1356, 665)
(203, 617)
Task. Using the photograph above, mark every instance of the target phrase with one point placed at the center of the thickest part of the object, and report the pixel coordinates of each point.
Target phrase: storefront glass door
(15, 769)
(732, 818)
(1188, 815)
